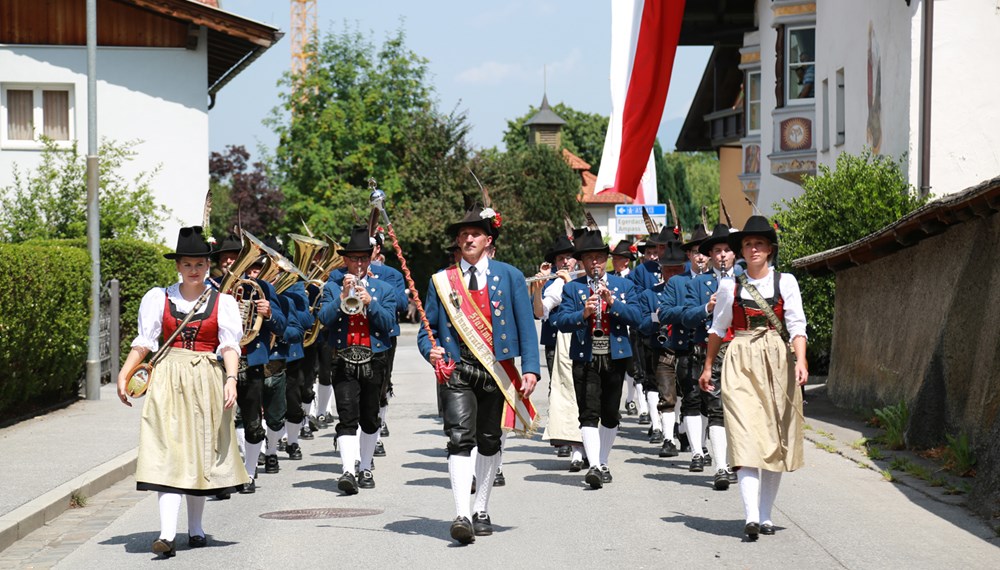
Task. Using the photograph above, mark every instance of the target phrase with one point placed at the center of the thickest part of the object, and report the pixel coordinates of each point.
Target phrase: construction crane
(303, 31)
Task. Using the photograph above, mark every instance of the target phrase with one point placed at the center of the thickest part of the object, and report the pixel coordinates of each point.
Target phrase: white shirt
(551, 297)
(481, 266)
(795, 318)
(151, 318)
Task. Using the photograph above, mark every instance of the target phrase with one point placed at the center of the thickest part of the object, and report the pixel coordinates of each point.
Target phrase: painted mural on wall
(873, 131)
(751, 160)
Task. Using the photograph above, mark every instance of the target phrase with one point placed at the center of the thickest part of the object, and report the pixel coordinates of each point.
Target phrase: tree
(583, 134)
(242, 197)
(51, 201)
(691, 180)
(863, 194)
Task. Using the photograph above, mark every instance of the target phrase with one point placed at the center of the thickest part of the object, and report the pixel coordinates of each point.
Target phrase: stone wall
(922, 326)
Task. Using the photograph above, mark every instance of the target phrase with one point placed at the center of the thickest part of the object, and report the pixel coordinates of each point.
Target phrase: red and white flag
(644, 36)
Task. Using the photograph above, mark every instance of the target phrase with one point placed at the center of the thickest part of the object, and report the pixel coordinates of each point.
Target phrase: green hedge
(43, 324)
(60, 275)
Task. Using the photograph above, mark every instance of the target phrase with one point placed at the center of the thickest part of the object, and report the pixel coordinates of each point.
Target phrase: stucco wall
(156, 95)
(921, 326)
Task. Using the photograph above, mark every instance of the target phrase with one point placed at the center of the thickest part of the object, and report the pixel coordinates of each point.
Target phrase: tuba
(246, 291)
(317, 280)
(279, 271)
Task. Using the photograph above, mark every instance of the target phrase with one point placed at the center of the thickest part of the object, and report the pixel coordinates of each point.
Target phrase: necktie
(473, 283)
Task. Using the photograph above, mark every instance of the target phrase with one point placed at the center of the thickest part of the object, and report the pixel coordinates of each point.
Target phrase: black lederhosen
(472, 407)
(671, 366)
(249, 396)
(387, 382)
(637, 362)
(326, 358)
(299, 386)
(273, 394)
(598, 387)
(357, 390)
(695, 401)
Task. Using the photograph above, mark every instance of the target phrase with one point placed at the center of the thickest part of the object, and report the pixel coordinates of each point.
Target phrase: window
(826, 115)
(800, 65)
(841, 119)
(753, 102)
(28, 112)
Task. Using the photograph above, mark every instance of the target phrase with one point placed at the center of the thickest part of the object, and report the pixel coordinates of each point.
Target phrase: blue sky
(486, 58)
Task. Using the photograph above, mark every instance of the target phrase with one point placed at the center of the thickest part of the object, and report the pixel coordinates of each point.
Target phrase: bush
(862, 195)
(43, 324)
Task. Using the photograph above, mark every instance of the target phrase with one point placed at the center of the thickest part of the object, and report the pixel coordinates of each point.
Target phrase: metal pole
(93, 219)
(115, 329)
(926, 68)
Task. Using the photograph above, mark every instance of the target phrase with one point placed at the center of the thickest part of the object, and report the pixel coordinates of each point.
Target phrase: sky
(492, 60)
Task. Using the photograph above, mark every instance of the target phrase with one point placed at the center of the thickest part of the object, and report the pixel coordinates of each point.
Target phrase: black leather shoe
(250, 488)
(697, 464)
(668, 449)
(385, 430)
(379, 449)
(294, 451)
(261, 458)
(721, 482)
(197, 541)
(731, 475)
(752, 529)
(366, 480)
(708, 456)
(593, 478)
(462, 531)
(575, 466)
(223, 495)
(499, 480)
(657, 437)
(481, 524)
(564, 451)
(685, 443)
(282, 444)
(271, 464)
(631, 409)
(605, 475)
(164, 547)
(312, 423)
(322, 422)
(305, 432)
(348, 484)
(644, 419)
(767, 529)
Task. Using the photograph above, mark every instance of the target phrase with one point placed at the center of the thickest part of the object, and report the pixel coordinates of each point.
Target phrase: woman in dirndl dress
(187, 443)
(761, 398)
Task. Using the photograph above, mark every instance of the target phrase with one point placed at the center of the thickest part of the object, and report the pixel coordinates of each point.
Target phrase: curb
(18, 523)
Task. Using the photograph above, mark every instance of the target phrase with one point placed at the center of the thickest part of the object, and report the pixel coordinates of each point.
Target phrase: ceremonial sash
(519, 414)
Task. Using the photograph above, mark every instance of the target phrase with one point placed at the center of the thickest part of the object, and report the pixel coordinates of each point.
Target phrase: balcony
(726, 127)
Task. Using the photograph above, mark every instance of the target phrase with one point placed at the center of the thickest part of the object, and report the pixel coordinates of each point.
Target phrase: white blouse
(151, 318)
(551, 297)
(795, 317)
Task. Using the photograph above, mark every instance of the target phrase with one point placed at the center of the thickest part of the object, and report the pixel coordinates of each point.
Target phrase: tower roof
(545, 115)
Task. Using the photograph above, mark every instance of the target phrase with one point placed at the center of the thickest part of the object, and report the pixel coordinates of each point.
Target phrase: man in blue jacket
(597, 309)
(299, 379)
(493, 295)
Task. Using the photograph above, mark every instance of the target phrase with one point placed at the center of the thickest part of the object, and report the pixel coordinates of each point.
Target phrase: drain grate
(306, 514)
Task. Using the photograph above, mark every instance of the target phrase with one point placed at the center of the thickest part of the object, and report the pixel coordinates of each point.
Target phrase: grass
(825, 446)
(860, 445)
(888, 476)
(893, 419)
(900, 463)
(825, 434)
(875, 453)
(936, 482)
(77, 500)
(960, 489)
(958, 456)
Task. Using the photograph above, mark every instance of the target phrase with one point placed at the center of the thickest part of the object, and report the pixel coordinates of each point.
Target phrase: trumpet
(352, 305)
(541, 278)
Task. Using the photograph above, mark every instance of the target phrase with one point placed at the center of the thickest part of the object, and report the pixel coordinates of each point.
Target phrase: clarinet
(596, 285)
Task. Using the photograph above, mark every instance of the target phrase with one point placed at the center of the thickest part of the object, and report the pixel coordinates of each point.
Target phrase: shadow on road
(733, 528)
(329, 484)
(421, 526)
(432, 452)
(444, 482)
(142, 542)
(438, 466)
(570, 479)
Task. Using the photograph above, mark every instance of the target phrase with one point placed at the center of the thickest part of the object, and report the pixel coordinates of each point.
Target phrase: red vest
(201, 334)
(482, 299)
(605, 320)
(358, 332)
(745, 310)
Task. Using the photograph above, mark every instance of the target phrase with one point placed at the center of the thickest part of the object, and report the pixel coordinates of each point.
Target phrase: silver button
(503, 322)
(506, 350)
(503, 336)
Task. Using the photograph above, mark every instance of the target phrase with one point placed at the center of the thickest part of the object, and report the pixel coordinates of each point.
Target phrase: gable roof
(588, 183)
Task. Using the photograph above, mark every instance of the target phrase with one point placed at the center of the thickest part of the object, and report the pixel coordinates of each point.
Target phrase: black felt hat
(667, 234)
(697, 236)
(560, 246)
(230, 243)
(625, 248)
(272, 242)
(590, 240)
(673, 254)
(360, 242)
(480, 217)
(720, 234)
(755, 226)
(190, 243)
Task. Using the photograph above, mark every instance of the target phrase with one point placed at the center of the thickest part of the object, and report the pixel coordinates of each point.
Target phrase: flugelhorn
(352, 304)
(317, 280)
(246, 291)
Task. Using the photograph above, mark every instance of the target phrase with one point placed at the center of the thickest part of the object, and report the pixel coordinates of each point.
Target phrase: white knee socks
(460, 468)
(592, 444)
(323, 396)
(653, 398)
(503, 445)
(196, 509)
(350, 451)
(769, 481)
(719, 446)
(486, 472)
(641, 400)
(577, 453)
(749, 478)
(607, 436)
(272, 441)
(367, 444)
(250, 458)
(293, 431)
(629, 389)
(667, 419)
(695, 431)
(170, 507)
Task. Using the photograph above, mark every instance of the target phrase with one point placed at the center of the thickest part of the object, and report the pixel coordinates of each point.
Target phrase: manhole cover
(304, 514)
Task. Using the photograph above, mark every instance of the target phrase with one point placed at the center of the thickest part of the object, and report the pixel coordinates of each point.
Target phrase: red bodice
(201, 334)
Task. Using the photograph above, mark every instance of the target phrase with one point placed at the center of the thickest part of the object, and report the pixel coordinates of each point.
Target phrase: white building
(159, 66)
(829, 76)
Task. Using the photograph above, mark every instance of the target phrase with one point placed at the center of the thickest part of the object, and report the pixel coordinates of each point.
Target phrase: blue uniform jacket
(645, 276)
(299, 304)
(387, 275)
(257, 352)
(513, 320)
(699, 291)
(381, 314)
(280, 347)
(548, 335)
(670, 306)
(624, 312)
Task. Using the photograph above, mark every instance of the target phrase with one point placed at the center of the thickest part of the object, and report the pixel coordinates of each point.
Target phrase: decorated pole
(443, 369)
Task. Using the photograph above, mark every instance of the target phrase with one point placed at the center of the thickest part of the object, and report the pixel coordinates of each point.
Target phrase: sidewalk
(82, 449)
